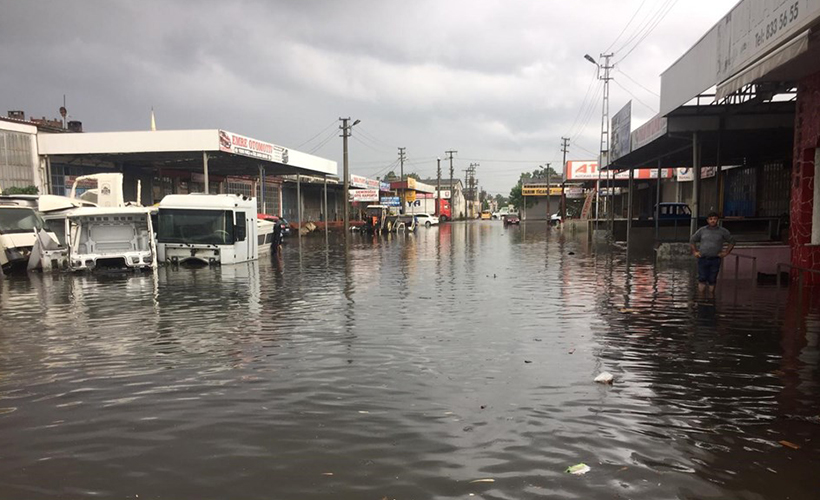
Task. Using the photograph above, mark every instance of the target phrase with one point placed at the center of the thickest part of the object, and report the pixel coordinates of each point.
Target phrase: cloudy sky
(498, 81)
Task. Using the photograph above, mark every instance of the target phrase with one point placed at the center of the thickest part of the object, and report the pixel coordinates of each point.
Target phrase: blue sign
(384, 186)
(391, 201)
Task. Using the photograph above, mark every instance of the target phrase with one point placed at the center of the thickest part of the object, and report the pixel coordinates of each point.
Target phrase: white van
(209, 229)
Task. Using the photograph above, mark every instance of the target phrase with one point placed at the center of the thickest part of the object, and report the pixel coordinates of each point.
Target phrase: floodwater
(454, 363)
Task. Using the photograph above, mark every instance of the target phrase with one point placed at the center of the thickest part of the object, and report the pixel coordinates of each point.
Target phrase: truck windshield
(209, 227)
(19, 220)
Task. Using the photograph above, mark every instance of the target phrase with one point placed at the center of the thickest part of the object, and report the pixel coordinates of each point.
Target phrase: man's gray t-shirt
(711, 240)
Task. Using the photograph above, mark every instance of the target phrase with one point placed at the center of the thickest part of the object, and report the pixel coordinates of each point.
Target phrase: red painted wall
(806, 140)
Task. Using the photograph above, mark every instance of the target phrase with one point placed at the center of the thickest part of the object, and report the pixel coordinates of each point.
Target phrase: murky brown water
(408, 368)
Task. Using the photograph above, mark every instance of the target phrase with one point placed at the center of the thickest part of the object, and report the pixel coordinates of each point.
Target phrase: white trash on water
(604, 378)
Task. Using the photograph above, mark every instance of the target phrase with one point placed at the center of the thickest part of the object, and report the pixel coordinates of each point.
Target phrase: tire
(428, 223)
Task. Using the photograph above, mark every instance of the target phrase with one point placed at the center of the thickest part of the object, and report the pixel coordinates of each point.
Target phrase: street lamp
(603, 158)
(345, 134)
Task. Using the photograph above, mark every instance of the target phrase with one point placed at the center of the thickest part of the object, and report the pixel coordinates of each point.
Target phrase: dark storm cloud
(501, 80)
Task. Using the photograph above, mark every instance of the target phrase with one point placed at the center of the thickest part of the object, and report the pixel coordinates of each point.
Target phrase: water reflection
(407, 367)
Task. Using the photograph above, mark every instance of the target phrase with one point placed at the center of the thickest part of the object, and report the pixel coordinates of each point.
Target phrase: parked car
(510, 219)
(427, 219)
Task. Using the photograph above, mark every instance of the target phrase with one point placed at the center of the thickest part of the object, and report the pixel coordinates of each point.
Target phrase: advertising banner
(391, 201)
(384, 186)
(688, 174)
(539, 190)
(357, 181)
(409, 196)
(621, 139)
(245, 146)
(648, 132)
(574, 193)
(364, 195)
(588, 171)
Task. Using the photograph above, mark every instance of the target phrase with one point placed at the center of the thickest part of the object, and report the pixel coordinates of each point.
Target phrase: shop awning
(762, 69)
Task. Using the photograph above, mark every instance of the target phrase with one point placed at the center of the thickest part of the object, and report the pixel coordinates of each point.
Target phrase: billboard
(364, 195)
(648, 132)
(539, 190)
(245, 146)
(588, 171)
(621, 127)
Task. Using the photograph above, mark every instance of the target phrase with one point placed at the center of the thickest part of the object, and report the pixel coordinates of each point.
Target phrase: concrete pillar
(205, 170)
(630, 189)
(696, 186)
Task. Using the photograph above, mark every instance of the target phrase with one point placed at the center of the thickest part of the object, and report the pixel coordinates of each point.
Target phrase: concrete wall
(806, 142)
(539, 210)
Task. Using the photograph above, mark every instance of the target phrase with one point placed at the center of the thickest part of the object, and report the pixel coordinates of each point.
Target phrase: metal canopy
(219, 163)
(752, 130)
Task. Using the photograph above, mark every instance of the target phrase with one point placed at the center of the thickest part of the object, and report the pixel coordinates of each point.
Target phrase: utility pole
(549, 189)
(564, 149)
(401, 173)
(603, 158)
(438, 187)
(452, 186)
(346, 212)
(470, 181)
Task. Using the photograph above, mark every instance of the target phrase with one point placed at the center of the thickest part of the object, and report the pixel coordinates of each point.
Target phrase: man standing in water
(711, 239)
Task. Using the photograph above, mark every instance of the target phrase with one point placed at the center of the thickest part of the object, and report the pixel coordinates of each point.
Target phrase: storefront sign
(357, 181)
(621, 123)
(391, 201)
(648, 132)
(357, 195)
(574, 193)
(245, 146)
(384, 186)
(409, 196)
(539, 190)
(588, 171)
(688, 174)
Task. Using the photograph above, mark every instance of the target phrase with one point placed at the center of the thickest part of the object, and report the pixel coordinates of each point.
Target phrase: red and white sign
(588, 171)
(245, 146)
(364, 195)
(357, 181)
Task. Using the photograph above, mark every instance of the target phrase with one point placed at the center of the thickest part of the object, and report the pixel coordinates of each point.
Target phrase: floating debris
(578, 469)
(488, 480)
(790, 444)
(604, 378)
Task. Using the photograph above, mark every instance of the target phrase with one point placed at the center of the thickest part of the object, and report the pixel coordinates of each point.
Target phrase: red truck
(428, 206)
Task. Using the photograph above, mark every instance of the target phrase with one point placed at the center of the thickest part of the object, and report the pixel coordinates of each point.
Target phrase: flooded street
(408, 367)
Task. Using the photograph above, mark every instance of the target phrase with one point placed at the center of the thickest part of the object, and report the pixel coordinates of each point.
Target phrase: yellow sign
(409, 196)
(411, 184)
(536, 190)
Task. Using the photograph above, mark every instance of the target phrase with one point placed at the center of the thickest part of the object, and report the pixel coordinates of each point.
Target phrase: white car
(427, 219)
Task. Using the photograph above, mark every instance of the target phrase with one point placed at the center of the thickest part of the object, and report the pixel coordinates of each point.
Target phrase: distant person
(707, 245)
(277, 236)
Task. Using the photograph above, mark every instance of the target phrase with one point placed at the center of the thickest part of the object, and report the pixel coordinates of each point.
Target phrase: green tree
(23, 190)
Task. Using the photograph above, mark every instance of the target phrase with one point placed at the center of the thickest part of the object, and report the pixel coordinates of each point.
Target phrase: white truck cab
(207, 229)
(110, 238)
(19, 226)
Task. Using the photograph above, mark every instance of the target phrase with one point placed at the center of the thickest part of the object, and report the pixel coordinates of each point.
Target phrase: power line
(626, 26)
(317, 135)
(647, 106)
(651, 28)
(366, 144)
(584, 102)
(646, 21)
(372, 138)
(636, 83)
(322, 144)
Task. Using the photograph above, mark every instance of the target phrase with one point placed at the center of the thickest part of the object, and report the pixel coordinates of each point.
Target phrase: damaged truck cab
(110, 238)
